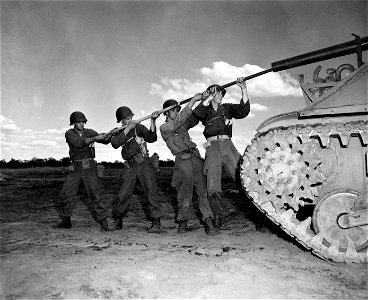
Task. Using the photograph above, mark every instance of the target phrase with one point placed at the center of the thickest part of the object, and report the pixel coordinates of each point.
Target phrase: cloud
(44, 143)
(54, 131)
(9, 144)
(222, 72)
(258, 107)
(251, 115)
(268, 85)
(178, 89)
(7, 125)
(28, 143)
(155, 89)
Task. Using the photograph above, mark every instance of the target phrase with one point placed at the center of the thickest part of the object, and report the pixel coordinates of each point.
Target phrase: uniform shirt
(175, 132)
(78, 148)
(215, 121)
(129, 145)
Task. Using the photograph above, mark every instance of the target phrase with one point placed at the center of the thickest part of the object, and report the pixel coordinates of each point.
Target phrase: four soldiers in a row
(189, 172)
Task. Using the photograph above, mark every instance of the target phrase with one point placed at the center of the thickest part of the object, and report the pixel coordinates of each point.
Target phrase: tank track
(280, 200)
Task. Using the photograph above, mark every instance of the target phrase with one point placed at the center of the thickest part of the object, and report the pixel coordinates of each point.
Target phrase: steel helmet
(77, 116)
(171, 102)
(217, 87)
(123, 112)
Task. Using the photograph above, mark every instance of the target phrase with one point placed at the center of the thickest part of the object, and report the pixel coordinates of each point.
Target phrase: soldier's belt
(218, 137)
(189, 150)
(136, 159)
(80, 164)
(187, 153)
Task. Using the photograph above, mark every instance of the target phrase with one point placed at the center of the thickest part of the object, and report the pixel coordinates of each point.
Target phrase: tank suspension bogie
(285, 169)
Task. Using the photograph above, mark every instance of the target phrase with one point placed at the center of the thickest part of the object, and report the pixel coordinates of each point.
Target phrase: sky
(95, 56)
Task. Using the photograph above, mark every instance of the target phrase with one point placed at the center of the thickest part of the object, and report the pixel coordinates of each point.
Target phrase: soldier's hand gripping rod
(118, 129)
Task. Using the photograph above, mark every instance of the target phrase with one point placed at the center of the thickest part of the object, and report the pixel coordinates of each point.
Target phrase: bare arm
(243, 86)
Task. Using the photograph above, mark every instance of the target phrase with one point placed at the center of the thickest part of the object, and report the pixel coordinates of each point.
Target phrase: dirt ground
(39, 262)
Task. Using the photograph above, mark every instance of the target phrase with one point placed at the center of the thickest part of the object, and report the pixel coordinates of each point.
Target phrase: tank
(307, 170)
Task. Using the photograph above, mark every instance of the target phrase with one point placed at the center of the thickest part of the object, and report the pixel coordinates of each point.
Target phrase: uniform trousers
(188, 174)
(147, 177)
(64, 205)
(219, 154)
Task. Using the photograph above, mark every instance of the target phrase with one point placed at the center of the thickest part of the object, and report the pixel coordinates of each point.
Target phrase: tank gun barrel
(322, 54)
(355, 46)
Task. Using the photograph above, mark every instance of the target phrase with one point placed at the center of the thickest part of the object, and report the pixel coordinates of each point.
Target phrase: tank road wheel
(325, 216)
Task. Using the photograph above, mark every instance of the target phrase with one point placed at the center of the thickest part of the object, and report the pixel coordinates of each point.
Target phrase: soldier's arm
(77, 141)
(148, 135)
(176, 123)
(119, 140)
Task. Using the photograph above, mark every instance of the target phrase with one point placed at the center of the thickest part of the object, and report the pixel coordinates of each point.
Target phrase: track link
(291, 154)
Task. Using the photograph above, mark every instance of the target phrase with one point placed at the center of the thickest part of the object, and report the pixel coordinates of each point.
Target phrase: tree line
(64, 162)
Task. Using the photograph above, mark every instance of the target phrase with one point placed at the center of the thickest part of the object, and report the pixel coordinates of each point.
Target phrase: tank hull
(305, 169)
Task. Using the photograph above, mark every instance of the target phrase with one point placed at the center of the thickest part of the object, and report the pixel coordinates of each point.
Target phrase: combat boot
(183, 226)
(209, 227)
(65, 223)
(156, 226)
(118, 223)
(218, 222)
(105, 226)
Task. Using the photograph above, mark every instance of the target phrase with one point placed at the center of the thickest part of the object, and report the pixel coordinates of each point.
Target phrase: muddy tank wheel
(325, 215)
(282, 169)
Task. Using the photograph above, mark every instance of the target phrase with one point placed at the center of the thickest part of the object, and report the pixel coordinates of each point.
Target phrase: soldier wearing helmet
(83, 168)
(133, 142)
(123, 112)
(220, 150)
(76, 117)
(188, 171)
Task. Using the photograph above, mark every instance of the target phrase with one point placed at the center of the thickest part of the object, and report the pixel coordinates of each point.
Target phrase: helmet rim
(76, 117)
(217, 86)
(123, 112)
(171, 102)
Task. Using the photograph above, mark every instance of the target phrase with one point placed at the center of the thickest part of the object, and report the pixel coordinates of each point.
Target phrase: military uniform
(134, 152)
(188, 172)
(220, 150)
(83, 168)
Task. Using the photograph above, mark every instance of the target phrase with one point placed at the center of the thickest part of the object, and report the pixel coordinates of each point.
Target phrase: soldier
(134, 151)
(220, 150)
(83, 168)
(188, 170)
